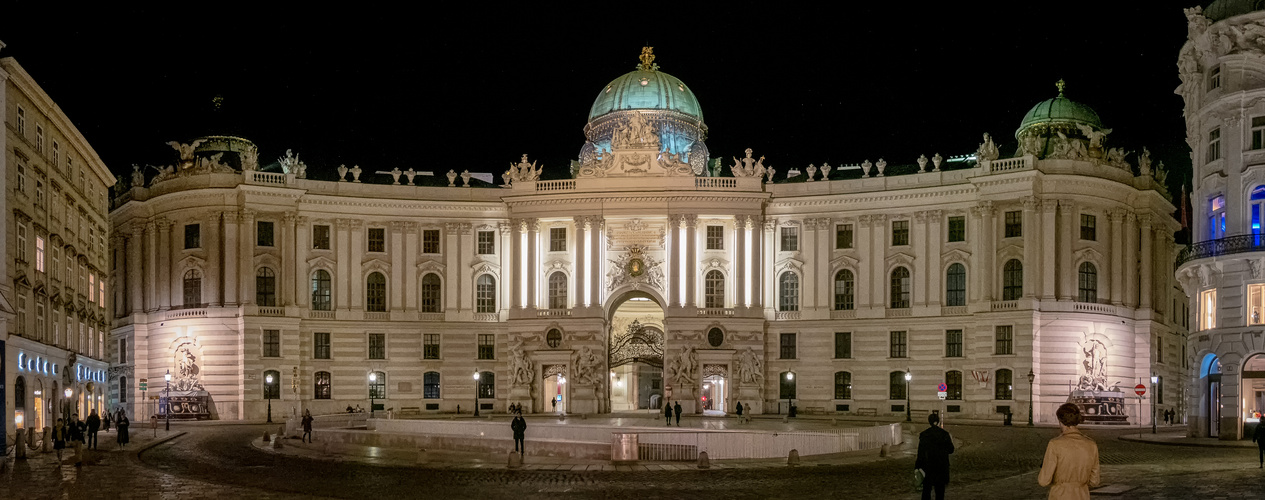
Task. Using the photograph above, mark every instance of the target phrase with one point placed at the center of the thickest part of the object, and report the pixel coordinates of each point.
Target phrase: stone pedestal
(749, 395)
(48, 440)
(521, 395)
(1100, 407)
(583, 400)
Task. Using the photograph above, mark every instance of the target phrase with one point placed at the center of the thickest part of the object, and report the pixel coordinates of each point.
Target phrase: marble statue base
(521, 395)
(185, 405)
(583, 400)
(749, 395)
(1100, 407)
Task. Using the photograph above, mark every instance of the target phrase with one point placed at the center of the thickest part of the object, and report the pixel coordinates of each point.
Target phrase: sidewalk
(39, 475)
(1178, 438)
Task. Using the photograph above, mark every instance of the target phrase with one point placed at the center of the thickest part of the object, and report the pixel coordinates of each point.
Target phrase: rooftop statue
(138, 177)
(1095, 136)
(987, 150)
(250, 158)
(635, 133)
(647, 59)
(186, 152)
(748, 166)
(289, 162)
(524, 171)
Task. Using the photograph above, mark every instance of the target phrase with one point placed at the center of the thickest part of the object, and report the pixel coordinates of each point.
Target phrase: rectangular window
(487, 346)
(953, 343)
(1214, 145)
(92, 288)
(430, 387)
(1159, 349)
(1208, 309)
(21, 125)
(377, 346)
(953, 384)
(21, 178)
(487, 242)
(787, 346)
(263, 230)
(790, 239)
(1014, 224)
(39, 139)
(900, 232)
(56, 157)
(1005, 336)
(957, 229)
(843, 345)
(430, 346)
(1255, 304)
(430, 241)
(22, 241)
(39, 253)
(715, 237)
(377, 239)
(1214, 78)
(1003, 388)
(39, 194)
(1089, 227)
(320, 237)
(557, 239)
(1258, 132)
(122, 351)
(272, 343)
(843, 385)
(899, 347)
(322, 386)
(843, 236)
(320, 345)
(192, 236)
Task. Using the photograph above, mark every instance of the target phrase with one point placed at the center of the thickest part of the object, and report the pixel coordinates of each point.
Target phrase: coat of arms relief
(636, 268)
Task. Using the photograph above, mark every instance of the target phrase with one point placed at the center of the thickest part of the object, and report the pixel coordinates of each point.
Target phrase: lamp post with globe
(66, 407)
(167, 411)
(268, 394)
(790, 377)
(1032, 377)
(373, 378)
(1155, 379)
(476, 393)
(909, 414)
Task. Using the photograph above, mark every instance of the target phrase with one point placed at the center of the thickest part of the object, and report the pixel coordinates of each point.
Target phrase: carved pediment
(789, 264)
(191, 261)
(557, 265)
(1011, 251)
(955, 255)
(844, 261)
(715, 263)
(486, 268)
(434, 266)
(899, 258)
(321, 262)
(1088, 254)
(376, 264)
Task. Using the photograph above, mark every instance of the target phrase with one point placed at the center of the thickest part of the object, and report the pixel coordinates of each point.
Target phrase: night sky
(475, 89)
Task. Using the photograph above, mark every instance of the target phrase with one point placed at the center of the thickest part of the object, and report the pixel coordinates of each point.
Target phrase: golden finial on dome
(647, 58)
(1060, 86)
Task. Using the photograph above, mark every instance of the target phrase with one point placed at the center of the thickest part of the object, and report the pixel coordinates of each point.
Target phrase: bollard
(793, 459)
(281, 430)
(267, 437)
(421, 456)
(703, 462)
(276, 441)
(19, 445)
(882, 451)
(786, 419)
(48, 440)
(516, 460)
(30, 439)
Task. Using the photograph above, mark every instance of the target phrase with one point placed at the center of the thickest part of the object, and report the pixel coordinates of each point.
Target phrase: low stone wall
(467, 443)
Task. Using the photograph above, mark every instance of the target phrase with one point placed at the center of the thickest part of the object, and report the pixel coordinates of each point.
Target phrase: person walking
(677, 408)
(94, 425)
(1258, 437)
(667, 411)
(1071, 459)
(519, 426)
(123, 424)
(307, 426)
(59, 438)
(105, 421)
(747, 412)
(934, 447)
(738, 408)
(77, 428)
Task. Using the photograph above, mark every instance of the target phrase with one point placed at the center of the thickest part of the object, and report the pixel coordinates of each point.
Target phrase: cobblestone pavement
(991, 462)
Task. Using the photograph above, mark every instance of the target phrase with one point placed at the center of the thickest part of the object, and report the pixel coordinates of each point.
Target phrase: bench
(409, 411)
(867, 412)
(815, 410)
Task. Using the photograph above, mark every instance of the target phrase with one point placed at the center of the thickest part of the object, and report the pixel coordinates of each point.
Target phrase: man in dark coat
(677, 409)
(934, 448)
(738, 407)
(1258, 437)
(667, 412)
(94, 425)
(519, 426)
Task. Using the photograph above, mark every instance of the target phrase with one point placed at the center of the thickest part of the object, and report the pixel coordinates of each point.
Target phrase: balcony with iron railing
(1229, 245)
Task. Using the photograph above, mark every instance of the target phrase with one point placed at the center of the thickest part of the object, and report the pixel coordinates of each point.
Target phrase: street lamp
(168, 411)
(373, 377)
(1032, 377)
(476, 393)
(66, 408)
(909, 415)
(789, 377)
(1155, 379)
(268, 394)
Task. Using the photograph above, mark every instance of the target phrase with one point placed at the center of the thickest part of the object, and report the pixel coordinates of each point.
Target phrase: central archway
(635, 353)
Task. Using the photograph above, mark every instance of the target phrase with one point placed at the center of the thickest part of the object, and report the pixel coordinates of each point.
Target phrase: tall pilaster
(212, 292)
(398, 285)
(676, 253)
(452, 264)
(1117, 256)
(1148, 269)
(163, 283)
(1031, 248)
(509, 271)
(151, 267)
(975, 275)
(289, 251)
(1067, 275)
(1130, 259)
(808, 252)
(518, 228)
(248, 237)
(411, 301)
(598, 250)
(302, 245)
(823, 278)
(1049, 211)
(865, 270)
(356, 271)
(878, 260)
(581, 250)
(989, 250)
(232, 222)
(342, 255)
(740, 266)
(921, 259)
(935, 248)
(134, 275)
(691, 259)
(465, 255)
(533, 260)
(760, 265)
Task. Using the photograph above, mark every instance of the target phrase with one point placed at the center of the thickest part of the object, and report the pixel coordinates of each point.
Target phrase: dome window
(608, 89)
(681, 86)
(645, 81)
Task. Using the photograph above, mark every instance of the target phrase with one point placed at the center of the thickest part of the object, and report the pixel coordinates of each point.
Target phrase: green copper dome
(646, 88)
(1225, 9)
(1059, 111)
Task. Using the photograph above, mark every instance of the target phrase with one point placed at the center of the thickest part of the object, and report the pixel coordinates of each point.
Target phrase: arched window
(714, 290)
(272, 390)
(265, 287)
(896, 385)
(953, 382)
(845, 291)
(378, 386)
(376, 293)
(122, 389)
(788, 292)
(320, 291)
(1087, 290)
(1002, 388)
(192, 288)
(431, 293)
(558, 290)
(900, 288)
(323, 388)
(430, 385)
(843, 385)
(1258, 208)
(487, 385)
(485, 294)
(955, 285)
(1012, 280)
(786, 385)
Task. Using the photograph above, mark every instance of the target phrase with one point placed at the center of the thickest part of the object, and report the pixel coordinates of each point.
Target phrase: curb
(1133, 439)
(158, 441)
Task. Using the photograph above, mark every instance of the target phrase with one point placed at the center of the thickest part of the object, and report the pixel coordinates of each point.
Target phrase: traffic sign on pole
(942, 395)
(1140, 389)
(942, 388)
(144, 384)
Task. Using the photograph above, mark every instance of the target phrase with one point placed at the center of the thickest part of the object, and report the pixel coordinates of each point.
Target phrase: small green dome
(1059, 111)
(646, 88)
(1224, 9)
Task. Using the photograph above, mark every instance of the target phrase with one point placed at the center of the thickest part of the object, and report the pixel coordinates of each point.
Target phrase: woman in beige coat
(1071, 459)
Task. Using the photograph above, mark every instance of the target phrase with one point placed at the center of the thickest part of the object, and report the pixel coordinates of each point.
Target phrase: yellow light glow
(746, 285)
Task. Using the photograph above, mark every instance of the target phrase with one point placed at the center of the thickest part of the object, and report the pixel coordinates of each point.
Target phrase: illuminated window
(430, 385)
(1257, 207)
(1255, 304)
(39, 253)
(92, 288)
(322, 387)
(1216, 221)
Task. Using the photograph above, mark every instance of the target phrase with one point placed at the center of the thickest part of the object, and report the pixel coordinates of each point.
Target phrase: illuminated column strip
(598, 252)
(1067, 285)
(691, 259)
(759, 267)
(674, 260)
(581, 263)
(1049, 209)
(740, 259)
(533, 260)
(518, 238)
(1148, 268)
(1129, 292)
(1031, 248)
(1117, 256)
(747, 266)
(679, 248)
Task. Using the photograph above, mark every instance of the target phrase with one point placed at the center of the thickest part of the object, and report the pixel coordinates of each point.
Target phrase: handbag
(919, 476)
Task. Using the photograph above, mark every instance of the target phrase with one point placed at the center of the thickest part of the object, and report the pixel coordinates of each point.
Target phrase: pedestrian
(105, 421)
(1258, 437)
(123, 424)
(350, 409)
(94, 424)
(739, 409)
(77, 428)
(519, 426)
(667, 411)
(677, 408)
(934, 447)
(1071, 459)
(307, 426)
(59, 438)
(554, 401)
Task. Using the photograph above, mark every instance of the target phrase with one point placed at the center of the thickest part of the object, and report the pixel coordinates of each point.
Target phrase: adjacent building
(979, 286)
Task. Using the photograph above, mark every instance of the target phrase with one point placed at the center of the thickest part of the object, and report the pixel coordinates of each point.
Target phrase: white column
(740, 264)
(824, 278)
(151, 267)
(465, 256)
(808, 252)
(289, 252)
(988, 251)
(676, 250)
(935, 247)
(163, 283)
(1117, 256)
(342, 255)
(1049, 254)
(878, 247)
(1032, 243)
(211, 241)
(581, 247)
(691, 259)
(355, 271)
(922, 260)
(398, 268)
(517, 227)
(452, 267)
(230, 245)
(1067, 271)
(509, 273)
(302, 245)
(759, 265)
(1148, 268)
(1130, 260)
(865, 270)
(533, 260)
(597, 249)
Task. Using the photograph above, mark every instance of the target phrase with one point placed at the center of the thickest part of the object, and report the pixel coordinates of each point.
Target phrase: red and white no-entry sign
(1140, 389)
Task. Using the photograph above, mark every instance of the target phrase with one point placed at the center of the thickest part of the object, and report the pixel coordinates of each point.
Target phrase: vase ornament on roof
(825, 171)
(922, 163)
(865, 168)
(881, 165)
(410, 173)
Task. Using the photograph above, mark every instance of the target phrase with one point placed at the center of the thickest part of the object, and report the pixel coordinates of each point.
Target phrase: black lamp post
(268, 394)
(909, 414)
(1154, 381)
(373, 378)
(167, 377)
(66, 407)
(790, 377)
(1032, 377)
(476, 393)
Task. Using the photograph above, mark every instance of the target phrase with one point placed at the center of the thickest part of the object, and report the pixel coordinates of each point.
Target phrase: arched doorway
(1210, 379)
(1253, 391)
(715, 394)
(555, 388)
(636, 354)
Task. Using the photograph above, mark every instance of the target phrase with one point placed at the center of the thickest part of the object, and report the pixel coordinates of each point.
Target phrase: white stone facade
(53, 312)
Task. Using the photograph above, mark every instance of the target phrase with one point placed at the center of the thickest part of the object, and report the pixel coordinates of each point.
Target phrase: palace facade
(652, 275)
